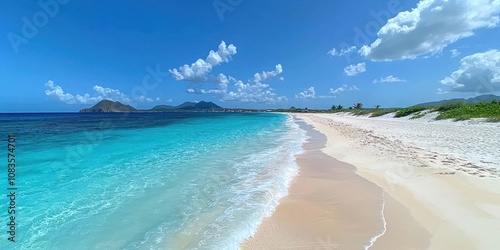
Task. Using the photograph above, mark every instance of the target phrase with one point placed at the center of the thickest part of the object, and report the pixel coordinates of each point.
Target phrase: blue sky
(64, 55)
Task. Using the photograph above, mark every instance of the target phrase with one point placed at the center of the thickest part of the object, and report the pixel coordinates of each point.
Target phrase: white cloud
(430, 27)
(309, 93)
(138, 99)
(100, 93)
(112, 94)
(343, 88)
(334, 52)
(248, 92)
(269, 74)
(252, 91)
(389, 78)
(282, 78)
(454, 53)
(479, 73)
(199, 70)
(353, 70)
(256, 91)
(441, 91)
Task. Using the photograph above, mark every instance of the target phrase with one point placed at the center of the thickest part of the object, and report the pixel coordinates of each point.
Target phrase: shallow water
(147, 180)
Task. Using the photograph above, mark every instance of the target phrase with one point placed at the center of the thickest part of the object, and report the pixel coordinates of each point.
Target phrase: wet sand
(329, 206)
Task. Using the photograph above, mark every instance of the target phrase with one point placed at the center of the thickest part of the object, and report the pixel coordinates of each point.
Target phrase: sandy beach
(386, 183)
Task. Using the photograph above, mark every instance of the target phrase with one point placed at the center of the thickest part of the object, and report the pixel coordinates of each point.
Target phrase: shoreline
(310, 218)
(432, 200)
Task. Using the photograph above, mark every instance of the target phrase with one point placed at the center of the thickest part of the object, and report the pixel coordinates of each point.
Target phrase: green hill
(109, 106)
(477, 99)
(162, 108)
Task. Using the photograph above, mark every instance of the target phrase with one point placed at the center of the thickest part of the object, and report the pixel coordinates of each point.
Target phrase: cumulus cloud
(248, 92)
(309, 93)
(334, 52)
(454, 53)
(353, 70)
(430, 27)
(199, 70)
(343, 88)
(259, 77)
(389, 78)
(479, 73)
(252, 91)
(100, 93)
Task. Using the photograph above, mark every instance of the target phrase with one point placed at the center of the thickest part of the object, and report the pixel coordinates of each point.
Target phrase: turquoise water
(146, 181)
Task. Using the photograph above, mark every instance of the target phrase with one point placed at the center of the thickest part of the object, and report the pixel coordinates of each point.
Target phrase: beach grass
(381, 112)
(409, 111)
(418, 115)
(359, 112)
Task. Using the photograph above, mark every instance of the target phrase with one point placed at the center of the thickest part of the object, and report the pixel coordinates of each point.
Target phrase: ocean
(144, 180)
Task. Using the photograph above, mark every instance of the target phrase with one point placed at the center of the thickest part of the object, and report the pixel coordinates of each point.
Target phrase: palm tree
(333, 107)
(358, 105)
(340, 107)
(377, 106)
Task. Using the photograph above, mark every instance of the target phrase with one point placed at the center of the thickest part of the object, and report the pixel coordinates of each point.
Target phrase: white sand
(444, 172)
(470, 146)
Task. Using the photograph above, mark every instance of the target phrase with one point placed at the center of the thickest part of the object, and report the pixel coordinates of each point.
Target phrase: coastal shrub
(381, 112)
(360, 111)
(418, 115)
(409, 111)
(477, 110)
(449, 106)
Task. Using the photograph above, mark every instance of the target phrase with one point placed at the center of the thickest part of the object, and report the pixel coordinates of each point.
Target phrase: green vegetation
(463, 111)
(381, 112)
(361, 111)
(455, 110)
(418, 115)
(449, 106)
(409, 111)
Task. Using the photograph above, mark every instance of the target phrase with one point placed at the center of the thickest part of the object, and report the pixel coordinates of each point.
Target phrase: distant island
(115, 106)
